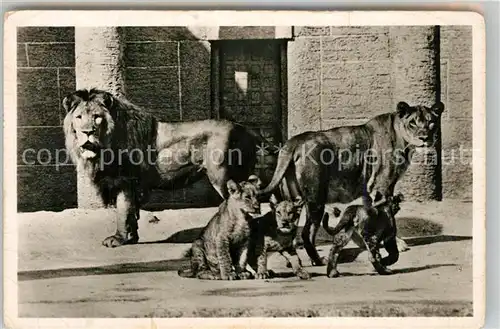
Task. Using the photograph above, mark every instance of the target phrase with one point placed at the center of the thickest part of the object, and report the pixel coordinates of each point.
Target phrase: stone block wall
(343, 75)
(45, 74)
(336, 76)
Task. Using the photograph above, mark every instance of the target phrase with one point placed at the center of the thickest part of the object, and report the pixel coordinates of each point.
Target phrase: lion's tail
(338, 228)
(284, 158)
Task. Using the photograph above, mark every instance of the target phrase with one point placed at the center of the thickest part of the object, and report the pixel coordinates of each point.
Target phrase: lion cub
(223, 243)
(368, 225)
(275, 232)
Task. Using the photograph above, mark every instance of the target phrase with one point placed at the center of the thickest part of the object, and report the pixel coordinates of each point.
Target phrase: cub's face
(243, 196)
(287, 213)
(420, 124)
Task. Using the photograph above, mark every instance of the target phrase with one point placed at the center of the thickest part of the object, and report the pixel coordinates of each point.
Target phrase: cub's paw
(402, 245)
(263, 275)
(231, 276)
(333, 274)
(303, 274)
(246, 275)
(113, 241)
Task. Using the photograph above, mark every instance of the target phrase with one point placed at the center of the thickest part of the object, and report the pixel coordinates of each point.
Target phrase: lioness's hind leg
(314, 215)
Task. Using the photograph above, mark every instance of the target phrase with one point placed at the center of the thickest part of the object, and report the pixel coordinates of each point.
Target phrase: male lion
(126, 152)
(339, 164)
(223, 243)
(275, 232)
(368, 225)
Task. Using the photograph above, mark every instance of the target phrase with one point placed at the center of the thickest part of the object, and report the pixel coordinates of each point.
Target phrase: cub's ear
(273, 202)
(232, 187)
(403, 109)
(255, 180)
(71, 101)
(437, 108)
(298, 202)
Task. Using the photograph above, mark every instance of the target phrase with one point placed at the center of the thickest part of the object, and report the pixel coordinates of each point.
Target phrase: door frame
(216, 89)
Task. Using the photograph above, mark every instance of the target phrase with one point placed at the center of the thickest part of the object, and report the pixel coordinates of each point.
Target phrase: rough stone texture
(166, 33)
(246, 32)
(41, 146)
(371, 47)
(67, 84)
(151, 54)
(355, 90)
(456, 93)
(156, 90)
(415, 75)
(358, 30)
(310, 31)
(99, 63)
(195, 79)
(22, 60)
(37, 97)
(45, 34)
(51, 55)
(46, 187)
(304, 85)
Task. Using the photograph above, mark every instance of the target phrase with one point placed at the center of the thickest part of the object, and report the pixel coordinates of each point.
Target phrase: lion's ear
(69, 102)
(232, 187)
(298, 202)
(403, 109)
(437, 108)
(108, 100)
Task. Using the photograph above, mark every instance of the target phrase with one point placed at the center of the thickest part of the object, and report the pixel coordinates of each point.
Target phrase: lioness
(338, 164)
(275, 232)
(125, 152)
(368, 225)
(223, 243)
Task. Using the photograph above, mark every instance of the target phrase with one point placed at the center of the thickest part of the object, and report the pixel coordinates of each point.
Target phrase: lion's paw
(231, 276)
(246, 275)
(113, 241)
(303, 274)
(263, 275)
(333, 274)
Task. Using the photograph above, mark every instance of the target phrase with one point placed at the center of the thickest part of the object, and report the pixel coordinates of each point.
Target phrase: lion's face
(88, 124)
(287, 213)
(419, 124)
(243, 196)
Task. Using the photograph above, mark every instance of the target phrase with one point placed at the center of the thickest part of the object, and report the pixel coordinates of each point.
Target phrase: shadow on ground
(407, 227)
(346, 256)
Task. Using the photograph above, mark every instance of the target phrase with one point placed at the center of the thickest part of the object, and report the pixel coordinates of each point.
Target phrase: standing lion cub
(275, 232)
(223, 243)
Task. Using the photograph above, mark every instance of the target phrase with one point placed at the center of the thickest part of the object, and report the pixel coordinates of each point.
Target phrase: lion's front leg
(241, 265)
(126, 222)
(224, 260)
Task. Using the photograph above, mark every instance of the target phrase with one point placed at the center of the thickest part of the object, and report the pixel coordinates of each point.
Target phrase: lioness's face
(243, 196)
(89, 120)
(287, 214)
(420, 123)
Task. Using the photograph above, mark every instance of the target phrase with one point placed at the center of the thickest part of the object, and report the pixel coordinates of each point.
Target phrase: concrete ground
(64, 271)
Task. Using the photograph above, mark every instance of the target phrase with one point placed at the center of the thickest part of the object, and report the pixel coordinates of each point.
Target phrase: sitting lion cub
(275, 232)
(223, 243)
(368, 225)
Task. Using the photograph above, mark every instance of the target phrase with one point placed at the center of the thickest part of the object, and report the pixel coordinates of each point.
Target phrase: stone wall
(336, 76)
(45, 60)
(343, 75)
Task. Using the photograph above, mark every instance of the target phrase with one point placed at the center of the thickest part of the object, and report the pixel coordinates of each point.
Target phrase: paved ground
(65, 272)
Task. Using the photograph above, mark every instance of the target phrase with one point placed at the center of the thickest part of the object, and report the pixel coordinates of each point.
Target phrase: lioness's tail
(340, 225)
(284, 158)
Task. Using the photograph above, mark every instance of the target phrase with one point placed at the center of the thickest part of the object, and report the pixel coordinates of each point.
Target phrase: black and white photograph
(180, 165)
